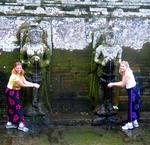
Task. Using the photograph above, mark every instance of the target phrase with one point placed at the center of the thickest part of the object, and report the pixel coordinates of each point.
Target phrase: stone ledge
(99, 4)
(78, 119)
(76, 12)
(125, 98)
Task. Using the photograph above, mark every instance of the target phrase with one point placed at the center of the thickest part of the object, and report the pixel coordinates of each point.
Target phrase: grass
(100, 136)
(75, 135)
(89, 136)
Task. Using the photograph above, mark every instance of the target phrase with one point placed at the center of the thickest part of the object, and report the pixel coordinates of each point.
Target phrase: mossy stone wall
(70, 77)
(139, 62)
(70, 80)
(70, 71)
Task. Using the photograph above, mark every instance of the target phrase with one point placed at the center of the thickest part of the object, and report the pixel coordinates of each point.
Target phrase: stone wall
(73, 21)
(74, 28)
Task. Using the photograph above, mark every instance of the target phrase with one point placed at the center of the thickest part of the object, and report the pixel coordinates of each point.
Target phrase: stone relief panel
(8, 30)
(131, 33)
(76, 33)
(69, 33)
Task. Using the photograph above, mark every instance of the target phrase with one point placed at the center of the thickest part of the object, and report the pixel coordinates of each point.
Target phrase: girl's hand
(36, 85)
(110, 85)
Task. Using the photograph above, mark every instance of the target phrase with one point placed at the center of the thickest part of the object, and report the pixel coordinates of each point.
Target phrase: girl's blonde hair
(15, 72)
(126, 64)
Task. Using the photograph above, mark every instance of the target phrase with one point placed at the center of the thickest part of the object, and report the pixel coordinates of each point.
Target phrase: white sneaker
(24, 129)
(127, 126)
(115, 107)
(10, 125)
(135, 123)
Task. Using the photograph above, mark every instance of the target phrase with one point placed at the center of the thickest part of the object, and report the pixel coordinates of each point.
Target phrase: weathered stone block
(29, 2)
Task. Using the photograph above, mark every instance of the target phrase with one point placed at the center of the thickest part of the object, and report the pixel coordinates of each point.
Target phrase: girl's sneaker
(135, 124)
(22, 127)
(127, 126)
(10, 125)
(115, 107)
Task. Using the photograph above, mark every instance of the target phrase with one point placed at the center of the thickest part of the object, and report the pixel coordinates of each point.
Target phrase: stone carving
(33, 46)
(107, 56)
(35, 55)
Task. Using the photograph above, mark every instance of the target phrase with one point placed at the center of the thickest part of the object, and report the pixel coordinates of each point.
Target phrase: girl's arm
(28, 83)
(122, 83)
(24, 83)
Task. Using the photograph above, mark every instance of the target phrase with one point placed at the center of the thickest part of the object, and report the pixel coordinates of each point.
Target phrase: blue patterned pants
(133, 104)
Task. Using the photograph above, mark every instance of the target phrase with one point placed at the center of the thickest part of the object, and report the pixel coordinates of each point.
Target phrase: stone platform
(43, 133)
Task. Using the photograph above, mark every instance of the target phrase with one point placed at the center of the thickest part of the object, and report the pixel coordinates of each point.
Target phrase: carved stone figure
(34, 48)
(107, 56)
(35, 55)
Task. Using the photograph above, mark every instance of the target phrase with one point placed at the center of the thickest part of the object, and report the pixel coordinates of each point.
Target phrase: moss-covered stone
(70, 72)
(71, 67)
(7, 59)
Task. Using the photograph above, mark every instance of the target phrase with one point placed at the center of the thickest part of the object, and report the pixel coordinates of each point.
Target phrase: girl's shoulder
(129, 73)
(16, 77)
(13, 75)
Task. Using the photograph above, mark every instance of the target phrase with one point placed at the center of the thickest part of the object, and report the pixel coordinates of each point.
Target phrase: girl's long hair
(15, 72)
(127, 65)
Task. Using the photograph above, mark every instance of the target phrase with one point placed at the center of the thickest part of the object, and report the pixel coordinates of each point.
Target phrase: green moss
(57, 2)
(71, 70)
(68, 8)
(138, 58)
(74, 71)
(7, 59)
(30, 7)
(73, 61)
(92, 137)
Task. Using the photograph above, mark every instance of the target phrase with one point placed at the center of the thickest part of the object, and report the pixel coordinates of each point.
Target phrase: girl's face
(122, 68)
(18, 69)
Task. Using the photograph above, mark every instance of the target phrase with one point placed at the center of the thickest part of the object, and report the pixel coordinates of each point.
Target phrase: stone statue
(107, 57)
(34, 49)
(35, 55)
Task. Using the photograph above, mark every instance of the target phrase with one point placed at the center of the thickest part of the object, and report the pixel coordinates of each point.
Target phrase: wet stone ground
(48, 133)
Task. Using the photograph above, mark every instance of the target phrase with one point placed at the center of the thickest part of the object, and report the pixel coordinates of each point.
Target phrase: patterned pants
(133, 104)
(14, 107)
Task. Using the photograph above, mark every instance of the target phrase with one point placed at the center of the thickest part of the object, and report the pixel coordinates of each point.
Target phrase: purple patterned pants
(14, 107)
(133, 104)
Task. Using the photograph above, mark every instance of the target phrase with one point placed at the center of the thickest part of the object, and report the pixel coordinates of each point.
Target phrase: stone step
(74, 119)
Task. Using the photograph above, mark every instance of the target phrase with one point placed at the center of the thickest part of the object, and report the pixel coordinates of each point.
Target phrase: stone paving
(47, 132)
